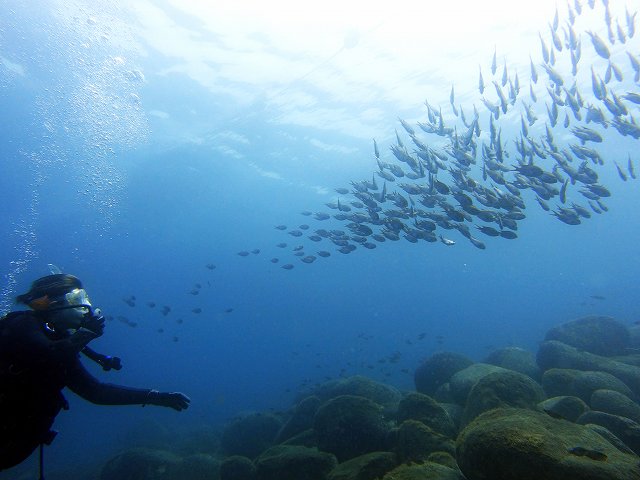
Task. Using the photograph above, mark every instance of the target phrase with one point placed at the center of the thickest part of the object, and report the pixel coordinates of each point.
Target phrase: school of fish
(471, 179)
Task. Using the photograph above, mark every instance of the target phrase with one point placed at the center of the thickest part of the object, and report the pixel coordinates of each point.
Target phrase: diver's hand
(95, 324)
(176, 400)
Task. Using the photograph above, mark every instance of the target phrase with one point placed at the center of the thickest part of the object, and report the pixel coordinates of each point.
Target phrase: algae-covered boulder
(553, 354)
(517, 444)
(250, 435)
(594, 334)
(624, 428)
(301, 418)
(454, 411)
(565, 407)
(348, 426)
(415, 442)
(516, 359)
(616, 403)
(360, 386)
(140, 464)
(370, 466)
(199, 466)
(558, 382)
(437, 370)
(586, 383)
(425, 471)
(502, 389)
(463, 381)
(237, 467)
(292, 462)
(308, 438)
(416, 406)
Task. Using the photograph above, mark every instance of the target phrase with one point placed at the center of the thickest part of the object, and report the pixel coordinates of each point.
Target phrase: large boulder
(463, 381)
(301, 418)
(437, 370)
(424, 471)
(360, 386)
(415, 442)
(199, 466)
(516, 359)
(416, 406)
(554, 354)
(370, 466)
(250, 435)
(237, 467)
(140, 464)
(566, 407)
(349, 426)
(502, 389)
(616, 403)
(624, 428)
(517, 444)
(595, 334)
(289, 462)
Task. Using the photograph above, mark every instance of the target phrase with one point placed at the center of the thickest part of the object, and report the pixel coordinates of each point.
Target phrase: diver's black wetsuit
(35, 365)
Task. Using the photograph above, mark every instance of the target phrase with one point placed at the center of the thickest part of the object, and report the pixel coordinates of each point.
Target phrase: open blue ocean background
(144, 144)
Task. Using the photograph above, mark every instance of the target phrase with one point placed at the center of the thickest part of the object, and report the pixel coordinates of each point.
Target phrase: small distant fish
(586, 452)
(287, 266)
(151, 304)
(255, 251)
(597, 297)
(306, 213)
(295, 233)
(228, 310)
(166, 310)
(281, 245)
(243, 253)
(281, 227)
(342, 190)
(323, 253)
(308, 259)
(447, 241)
(275, 260)
(197, 310)
(210, 266)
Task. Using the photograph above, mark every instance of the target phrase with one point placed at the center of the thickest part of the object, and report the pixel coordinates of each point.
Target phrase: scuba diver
(39, 356)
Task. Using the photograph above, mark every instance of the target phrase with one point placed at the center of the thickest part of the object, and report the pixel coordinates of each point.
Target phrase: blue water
(135, 202)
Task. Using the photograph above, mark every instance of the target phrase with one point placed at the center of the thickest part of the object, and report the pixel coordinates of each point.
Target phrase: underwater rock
(502, 389)
(616, 403)
(250, 435)
(365, 467)
(443, 394)
(379, 393)
(140, 464)
(463, 381)
(416, 406)
(437, 370)
(292, 462)
(415, 442)
(516, 359)
(425, 471)
(301, 418)
(199, 466)
(567, 407)
(349, 426)
(443, 458)
(237, 467)
(634, 337)
(553, 354)
(610, 437)
(508, 444)
(595, 334)
(582, 384)
(308, 438)
(454, 411)
(624, 428)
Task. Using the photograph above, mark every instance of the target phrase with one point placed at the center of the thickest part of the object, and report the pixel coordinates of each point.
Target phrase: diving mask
(69, 312)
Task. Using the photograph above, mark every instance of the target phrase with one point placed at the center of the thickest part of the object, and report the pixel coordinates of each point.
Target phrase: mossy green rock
(518, 444)
(594, 334)
(516, 359)
(425, 471)
(250, 435)
(237, 467)
(586, 383)
(308, 438)
(443, 458)
(502, 389)
(415, 442)
(199, 466)
(301, 418)
(420, 407)
(437, 370)
(565, 407)
(554, 354)
(558, 382)
(616, 403)
(624, 428)
(365, 467)
(349, 426)
(463, 381)
(289, 462)
(140, 464)
(360, 386)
